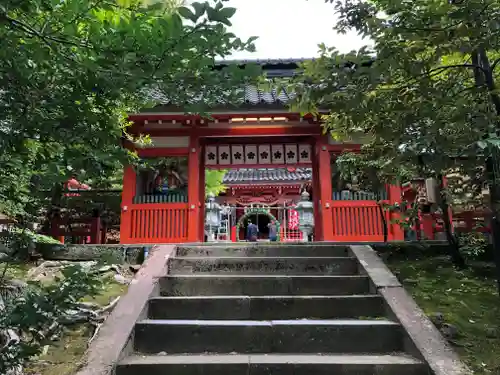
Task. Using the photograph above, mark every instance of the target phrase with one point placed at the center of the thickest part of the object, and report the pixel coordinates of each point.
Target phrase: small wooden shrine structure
(166, 204)
(273, 191)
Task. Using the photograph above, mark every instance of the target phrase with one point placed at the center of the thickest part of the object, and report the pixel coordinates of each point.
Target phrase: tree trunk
(384, 221)
(495, 218)
(456, 257)
(55, 205)
(489, 80)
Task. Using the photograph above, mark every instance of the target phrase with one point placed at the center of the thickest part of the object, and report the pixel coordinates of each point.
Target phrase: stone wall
(109, 253)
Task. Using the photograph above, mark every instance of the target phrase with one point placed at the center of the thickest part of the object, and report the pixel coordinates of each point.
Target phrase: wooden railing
(173, 197)
(355, 221)
(290, 235)
(158, 223)
(359, 195)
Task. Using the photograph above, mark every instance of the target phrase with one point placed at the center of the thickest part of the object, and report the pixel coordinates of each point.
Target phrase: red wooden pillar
(104, 231)
(450, 211)
(201, 217)
(234, 235)
(194, 189)
(325, 189)
(396, 232)
(128, 193)
(316, 194)
(55, 228)
(95, 230)
(427, 224)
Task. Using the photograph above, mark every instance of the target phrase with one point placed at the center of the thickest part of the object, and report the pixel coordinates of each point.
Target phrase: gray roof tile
(249, 95)
(267, 175)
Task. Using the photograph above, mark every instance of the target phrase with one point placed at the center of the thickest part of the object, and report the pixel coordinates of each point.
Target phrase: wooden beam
(162, 152)
(239, 166)
(344, 147)
(223, 116)
(238, 131)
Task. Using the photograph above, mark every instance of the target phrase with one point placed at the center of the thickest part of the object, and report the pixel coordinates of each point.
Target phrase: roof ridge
(263, 175)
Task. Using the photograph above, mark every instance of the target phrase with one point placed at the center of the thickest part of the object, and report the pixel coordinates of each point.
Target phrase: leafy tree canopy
(70, 71)
(423, 99)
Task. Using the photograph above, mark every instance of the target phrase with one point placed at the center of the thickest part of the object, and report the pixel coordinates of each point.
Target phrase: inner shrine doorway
(261, 217)
(265, 177)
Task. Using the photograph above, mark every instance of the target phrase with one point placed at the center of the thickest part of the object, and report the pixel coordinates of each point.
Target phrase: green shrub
(37, 313)
(473, 245)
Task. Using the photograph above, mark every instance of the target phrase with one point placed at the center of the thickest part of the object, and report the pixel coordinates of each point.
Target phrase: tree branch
(35, 33)
(433, 72)
(494, 65)
(446, 67)
(165, 51)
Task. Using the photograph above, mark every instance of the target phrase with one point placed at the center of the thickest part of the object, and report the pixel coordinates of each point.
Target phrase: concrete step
(268, 265)
(266, 307)
(261, 364)
(262, 285)
(278, 336)
(264, 250)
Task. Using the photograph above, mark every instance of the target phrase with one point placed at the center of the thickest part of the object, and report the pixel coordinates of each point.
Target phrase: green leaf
(199, 8)
(252, 39)
(187, 13)
(227, 12)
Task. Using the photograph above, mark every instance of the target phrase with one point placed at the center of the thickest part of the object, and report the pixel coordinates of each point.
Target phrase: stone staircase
(265, 309)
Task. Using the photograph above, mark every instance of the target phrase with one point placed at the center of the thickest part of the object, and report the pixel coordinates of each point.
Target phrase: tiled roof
(267, 175)
(250, 96)
(264, 62)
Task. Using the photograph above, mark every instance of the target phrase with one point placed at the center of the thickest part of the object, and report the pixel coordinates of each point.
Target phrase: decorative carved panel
(265, 154)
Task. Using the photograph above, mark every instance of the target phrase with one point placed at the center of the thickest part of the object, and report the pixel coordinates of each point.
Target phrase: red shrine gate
(336, 219)
(259, 134)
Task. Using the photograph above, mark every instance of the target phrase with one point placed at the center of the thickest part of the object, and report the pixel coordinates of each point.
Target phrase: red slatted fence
(158, 223)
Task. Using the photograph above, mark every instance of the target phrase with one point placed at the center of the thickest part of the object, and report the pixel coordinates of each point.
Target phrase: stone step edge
(299, 359)
(269, 297)
(257, 259)
(261, 276)
(270, 323)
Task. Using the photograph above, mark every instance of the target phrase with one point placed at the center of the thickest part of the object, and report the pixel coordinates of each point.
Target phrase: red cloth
(293, 219)
(73, 184)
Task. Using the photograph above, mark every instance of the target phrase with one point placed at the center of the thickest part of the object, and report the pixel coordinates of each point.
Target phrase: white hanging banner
(291, 156)
(264, 154)
(304, 153)
(211, 155)
(251, 156)
(277, 154)
(224, 155)
(237, 154)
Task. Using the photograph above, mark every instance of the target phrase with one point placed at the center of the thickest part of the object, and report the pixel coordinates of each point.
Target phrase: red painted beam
(238, 166)
(257, 140)
(240, 131)
(213, 116)
(162, 152)
(344, 147)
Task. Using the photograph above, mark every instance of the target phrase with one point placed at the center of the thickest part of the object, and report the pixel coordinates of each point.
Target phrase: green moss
(66, 356)
(467, 300)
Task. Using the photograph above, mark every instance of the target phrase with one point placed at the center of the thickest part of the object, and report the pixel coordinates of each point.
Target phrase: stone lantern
(305, 209)
(212, 217)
